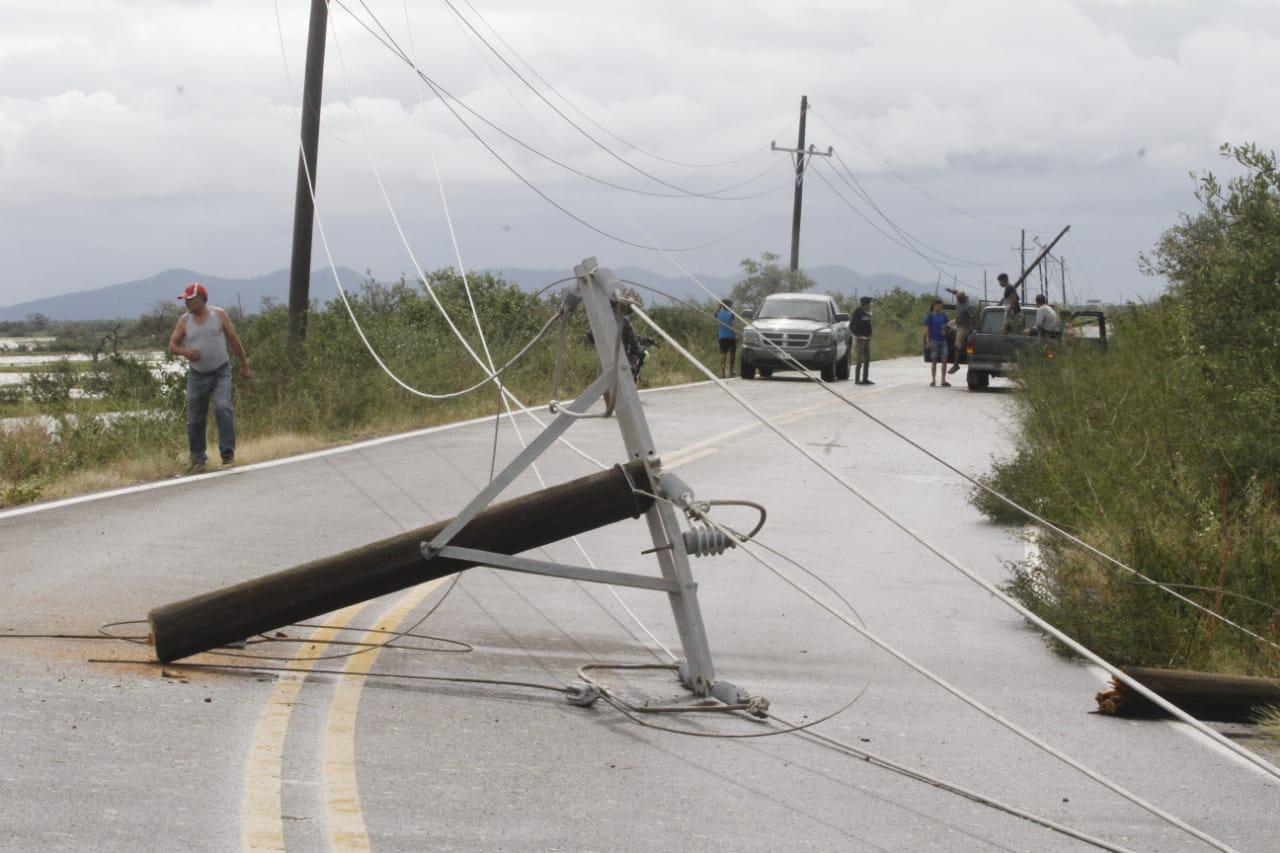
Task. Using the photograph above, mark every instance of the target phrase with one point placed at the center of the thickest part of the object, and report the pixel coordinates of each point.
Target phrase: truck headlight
(751, 336)
(821, 339)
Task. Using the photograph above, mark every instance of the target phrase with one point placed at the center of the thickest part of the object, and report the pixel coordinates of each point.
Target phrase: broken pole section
(1203, 695)
(214, 619)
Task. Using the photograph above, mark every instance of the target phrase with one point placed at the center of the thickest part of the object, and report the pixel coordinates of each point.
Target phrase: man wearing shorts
(935, 342)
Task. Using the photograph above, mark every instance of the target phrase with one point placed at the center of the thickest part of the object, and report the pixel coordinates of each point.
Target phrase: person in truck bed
(1047, 323)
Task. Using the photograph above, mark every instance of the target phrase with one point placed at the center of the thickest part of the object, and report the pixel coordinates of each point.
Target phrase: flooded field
(12, 382)
(22, 344)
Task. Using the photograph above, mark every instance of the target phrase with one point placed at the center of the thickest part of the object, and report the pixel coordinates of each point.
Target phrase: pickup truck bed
(994, 352)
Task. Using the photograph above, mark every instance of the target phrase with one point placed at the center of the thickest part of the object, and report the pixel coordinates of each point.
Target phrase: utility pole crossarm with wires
(801, 156)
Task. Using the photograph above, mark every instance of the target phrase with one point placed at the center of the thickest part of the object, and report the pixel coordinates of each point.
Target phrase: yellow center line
(790, 417)
(262, 825)
(686, 458)
(344, 817)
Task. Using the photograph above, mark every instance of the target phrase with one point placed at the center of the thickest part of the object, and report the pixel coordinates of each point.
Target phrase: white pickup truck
(807, 327)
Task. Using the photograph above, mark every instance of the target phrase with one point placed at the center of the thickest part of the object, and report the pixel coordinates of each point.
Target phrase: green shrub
(1162, 451)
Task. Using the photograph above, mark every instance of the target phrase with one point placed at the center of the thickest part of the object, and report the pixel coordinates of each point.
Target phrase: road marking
(675, 460)
(262, 824)
(344, 817)
(721, 437)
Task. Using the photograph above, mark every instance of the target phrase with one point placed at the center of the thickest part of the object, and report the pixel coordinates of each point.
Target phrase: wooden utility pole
(1204, 695)
(1022, 262)
(207, 621)
(1021, 282)
(801, 157)
(304, 209)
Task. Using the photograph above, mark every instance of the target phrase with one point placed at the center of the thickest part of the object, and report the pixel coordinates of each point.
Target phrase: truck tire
(829, 371)
(842, 367)
(977, 379)
(746, 371)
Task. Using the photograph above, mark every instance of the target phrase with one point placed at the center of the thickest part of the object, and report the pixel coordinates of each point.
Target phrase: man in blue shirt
(727, 338)
(935, 342)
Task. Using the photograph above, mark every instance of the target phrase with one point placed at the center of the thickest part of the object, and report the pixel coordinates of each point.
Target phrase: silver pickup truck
(993, 351)
(807, 327)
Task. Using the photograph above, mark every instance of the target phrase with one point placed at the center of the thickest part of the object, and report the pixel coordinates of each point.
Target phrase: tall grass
(328, 391)
(331, 390)
(1145, 453)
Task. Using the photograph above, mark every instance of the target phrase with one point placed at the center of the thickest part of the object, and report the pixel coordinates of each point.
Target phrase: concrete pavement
(118, 757)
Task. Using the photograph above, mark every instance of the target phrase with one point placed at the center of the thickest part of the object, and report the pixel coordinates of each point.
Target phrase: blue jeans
(200, 388)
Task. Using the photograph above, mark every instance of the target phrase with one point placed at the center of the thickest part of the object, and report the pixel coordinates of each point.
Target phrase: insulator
(707, 542)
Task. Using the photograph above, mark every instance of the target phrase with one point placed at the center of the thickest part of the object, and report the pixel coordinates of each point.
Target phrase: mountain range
(133, 298)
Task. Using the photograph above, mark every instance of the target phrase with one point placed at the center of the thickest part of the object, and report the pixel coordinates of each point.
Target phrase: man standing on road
(726, 337)
(201, 337)
(860, 325)
(966, 317)
(935, 341)
(1047, 323)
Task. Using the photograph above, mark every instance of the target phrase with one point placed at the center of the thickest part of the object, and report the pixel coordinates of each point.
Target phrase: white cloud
(1034, 113)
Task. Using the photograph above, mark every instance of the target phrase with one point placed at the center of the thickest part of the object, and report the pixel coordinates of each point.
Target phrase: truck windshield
(793, 309)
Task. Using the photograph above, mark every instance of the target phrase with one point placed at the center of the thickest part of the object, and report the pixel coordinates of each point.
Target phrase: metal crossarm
(562, 570)
(600, 293)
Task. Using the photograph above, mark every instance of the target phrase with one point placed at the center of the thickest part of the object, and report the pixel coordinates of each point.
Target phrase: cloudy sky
(140, 135)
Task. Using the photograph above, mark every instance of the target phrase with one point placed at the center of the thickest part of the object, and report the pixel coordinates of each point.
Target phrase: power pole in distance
(801, 157)
(304, 208)
(1022, 262)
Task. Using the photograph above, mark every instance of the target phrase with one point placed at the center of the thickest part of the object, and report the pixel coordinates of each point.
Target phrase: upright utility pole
(1063, 264)
(1022, 279)
(801, 157)
(304, 209)
(1022, 262)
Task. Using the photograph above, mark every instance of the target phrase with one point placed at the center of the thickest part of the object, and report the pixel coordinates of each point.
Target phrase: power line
(991, 588)
(588, 118)
(853, 182)
(910, 248)
(534, 89)
(516, 173)
(915, 187)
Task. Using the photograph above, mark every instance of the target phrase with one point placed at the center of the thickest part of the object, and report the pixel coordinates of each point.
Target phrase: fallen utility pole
(1204, 695)
(1040, 257)
(208, 621)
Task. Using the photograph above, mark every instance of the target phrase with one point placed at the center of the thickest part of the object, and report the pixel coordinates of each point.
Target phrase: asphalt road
(133, 756)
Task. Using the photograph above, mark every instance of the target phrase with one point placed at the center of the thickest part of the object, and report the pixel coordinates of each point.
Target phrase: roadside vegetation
(1163, 452)
(103, 418)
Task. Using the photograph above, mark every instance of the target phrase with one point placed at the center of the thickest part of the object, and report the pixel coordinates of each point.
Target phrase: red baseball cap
(195, 288)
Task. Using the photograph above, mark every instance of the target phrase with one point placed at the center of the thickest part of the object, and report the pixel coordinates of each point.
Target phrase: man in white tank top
(201, 337)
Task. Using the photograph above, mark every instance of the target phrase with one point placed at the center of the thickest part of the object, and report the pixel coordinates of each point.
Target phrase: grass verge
(1139, 452)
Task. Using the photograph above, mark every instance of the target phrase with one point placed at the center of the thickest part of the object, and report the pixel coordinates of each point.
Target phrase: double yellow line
(262, 805)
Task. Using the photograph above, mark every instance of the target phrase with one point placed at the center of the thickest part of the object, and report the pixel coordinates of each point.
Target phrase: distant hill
(131, 299)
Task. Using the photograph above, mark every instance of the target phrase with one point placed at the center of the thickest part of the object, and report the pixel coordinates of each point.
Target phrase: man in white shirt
(1047, 322)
